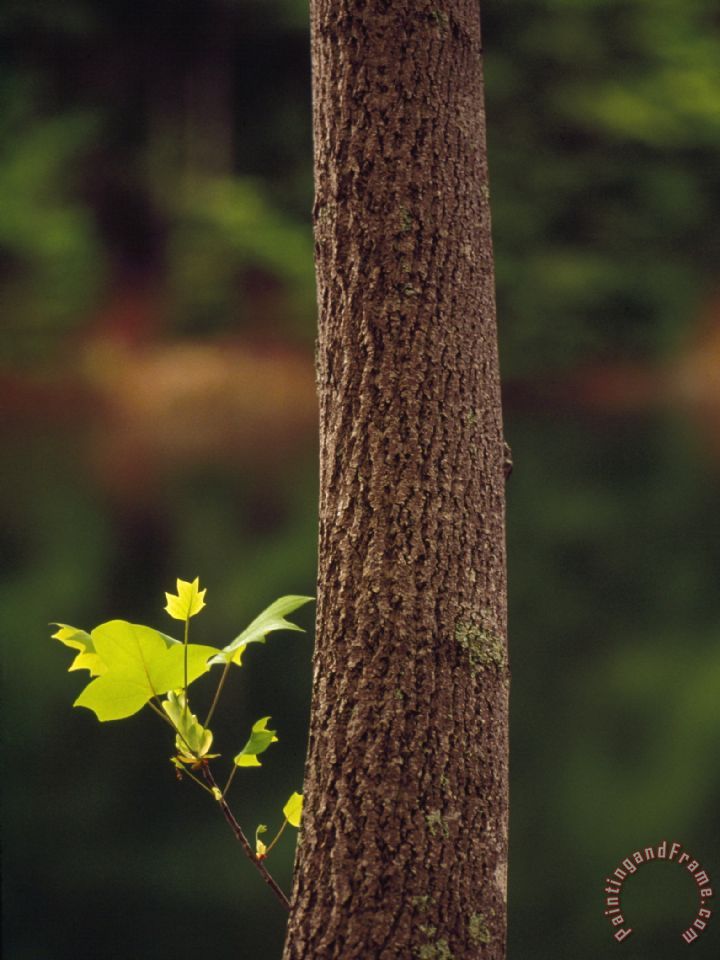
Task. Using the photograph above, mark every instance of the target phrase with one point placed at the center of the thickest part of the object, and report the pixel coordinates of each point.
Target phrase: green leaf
(260, 740)
(193, 740)
(87, 658)
(139, 665)
(293, 809)
(273, 618)
(190, 600)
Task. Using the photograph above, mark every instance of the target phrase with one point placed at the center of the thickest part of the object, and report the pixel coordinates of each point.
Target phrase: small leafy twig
(187, 602)
(132, 665)
(239, 835)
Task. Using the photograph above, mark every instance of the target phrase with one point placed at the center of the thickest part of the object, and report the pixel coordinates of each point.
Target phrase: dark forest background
(159, 420)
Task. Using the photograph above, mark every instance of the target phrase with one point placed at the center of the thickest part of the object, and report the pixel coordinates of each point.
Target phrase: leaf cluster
(132, 666)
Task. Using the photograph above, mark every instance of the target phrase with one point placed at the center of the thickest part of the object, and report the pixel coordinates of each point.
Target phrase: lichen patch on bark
(484, 649)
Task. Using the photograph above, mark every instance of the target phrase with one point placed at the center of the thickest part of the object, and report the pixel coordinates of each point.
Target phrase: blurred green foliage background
(159, 421)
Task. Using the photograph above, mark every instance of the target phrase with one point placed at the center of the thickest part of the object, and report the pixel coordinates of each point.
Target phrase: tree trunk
(403, 848)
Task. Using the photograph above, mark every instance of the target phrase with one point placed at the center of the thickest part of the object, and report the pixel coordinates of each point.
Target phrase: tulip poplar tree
(403, 843)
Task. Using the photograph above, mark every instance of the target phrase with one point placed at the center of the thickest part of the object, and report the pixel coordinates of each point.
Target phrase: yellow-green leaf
(260, 740)
(140, 664)
(87, 658)
(272, 618)
(293, 809)
(188, 601)
(193, 739)
(247, 760)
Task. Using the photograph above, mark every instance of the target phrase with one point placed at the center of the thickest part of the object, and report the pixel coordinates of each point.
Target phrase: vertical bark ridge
(404, 840)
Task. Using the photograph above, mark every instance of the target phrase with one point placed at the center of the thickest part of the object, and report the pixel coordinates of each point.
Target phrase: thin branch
(161, 713)
(230, 779)
(189, 773)
(277, 837)
(220, 685)
(185, 662)
(239, 835)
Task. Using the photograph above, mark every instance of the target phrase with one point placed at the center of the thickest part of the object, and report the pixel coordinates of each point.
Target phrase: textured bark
(403, 848)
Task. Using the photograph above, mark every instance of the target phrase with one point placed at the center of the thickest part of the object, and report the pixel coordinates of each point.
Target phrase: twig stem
(185, 663)
(277, 837)
(239, 835)
(221, 684)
